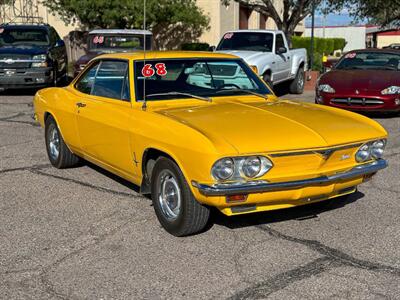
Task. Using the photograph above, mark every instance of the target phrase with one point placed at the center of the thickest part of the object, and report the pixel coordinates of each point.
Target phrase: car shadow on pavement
(380, 115)
(281, 89)
(298, 213)
(19, 92)
(112, 176)
(30, 91)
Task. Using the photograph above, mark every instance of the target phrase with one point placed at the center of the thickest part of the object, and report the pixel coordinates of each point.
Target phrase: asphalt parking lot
(84, 234)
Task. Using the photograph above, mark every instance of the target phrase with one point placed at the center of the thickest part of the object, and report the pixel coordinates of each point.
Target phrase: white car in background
(268, 53)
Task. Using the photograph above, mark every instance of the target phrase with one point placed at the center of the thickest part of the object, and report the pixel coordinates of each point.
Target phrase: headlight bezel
(40, 61)
(239, 174)
(370, 150)
(326, 88)
(391, 90)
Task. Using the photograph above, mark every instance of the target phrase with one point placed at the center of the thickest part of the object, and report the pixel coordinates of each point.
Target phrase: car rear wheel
(57, 151)
(175, 206)
(297, 85)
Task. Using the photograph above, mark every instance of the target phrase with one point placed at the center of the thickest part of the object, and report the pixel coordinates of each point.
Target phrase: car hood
(275, 126)
(251, 57)
(374, 80)
(23, 50)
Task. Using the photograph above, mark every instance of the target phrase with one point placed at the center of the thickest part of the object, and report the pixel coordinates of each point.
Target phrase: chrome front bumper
(263, 186)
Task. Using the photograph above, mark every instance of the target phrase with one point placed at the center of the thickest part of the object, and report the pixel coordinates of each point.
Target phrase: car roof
(377, 50)
(120, 31)
(255, 31)
(139, 55)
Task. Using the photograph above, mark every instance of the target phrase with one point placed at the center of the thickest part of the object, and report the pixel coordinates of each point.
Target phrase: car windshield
(247, 41)
(198, 77)
(370, 61)
(124, 42)
(23, 36)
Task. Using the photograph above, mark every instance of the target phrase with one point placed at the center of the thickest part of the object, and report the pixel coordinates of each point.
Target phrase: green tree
(172, 22)
(380, 12)
(293, 11)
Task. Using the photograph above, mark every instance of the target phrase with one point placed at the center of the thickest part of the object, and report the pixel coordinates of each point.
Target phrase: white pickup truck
(267, 52)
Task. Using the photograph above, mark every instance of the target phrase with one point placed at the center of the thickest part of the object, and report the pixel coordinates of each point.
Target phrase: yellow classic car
(197, 130)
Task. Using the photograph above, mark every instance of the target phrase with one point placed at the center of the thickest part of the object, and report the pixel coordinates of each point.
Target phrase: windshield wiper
(181, 94)
(245, 91)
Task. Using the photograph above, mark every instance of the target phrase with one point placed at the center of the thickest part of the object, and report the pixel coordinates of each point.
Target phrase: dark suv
(31, 56)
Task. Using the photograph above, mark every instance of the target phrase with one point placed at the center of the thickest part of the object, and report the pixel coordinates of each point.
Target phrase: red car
(363, 80)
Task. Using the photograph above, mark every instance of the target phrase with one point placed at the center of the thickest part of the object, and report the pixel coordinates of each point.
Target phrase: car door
(283, 60)
(104, 117)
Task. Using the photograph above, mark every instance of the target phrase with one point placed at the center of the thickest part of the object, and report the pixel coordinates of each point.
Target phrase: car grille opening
(11, 61)
(357, 101)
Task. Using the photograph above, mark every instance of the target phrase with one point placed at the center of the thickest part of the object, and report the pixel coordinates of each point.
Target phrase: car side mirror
(281, 50)
(59, 43)
(211, 48)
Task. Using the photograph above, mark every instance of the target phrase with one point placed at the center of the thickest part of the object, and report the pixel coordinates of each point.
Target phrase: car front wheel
(59, 154)
(175, 206)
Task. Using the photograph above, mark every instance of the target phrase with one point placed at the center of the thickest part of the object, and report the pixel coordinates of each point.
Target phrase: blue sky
(330, 20)
(341, 18)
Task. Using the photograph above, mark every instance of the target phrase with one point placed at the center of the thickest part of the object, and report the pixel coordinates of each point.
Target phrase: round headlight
(251, 166)
(377, 149)
(363, 154)
(223, 169)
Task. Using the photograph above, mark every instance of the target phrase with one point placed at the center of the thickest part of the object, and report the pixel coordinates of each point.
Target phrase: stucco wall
(223, 19)
(386, 40)
(355, 36)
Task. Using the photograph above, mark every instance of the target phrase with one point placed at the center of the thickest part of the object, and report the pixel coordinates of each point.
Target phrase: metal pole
(144, 106)
(312, 34)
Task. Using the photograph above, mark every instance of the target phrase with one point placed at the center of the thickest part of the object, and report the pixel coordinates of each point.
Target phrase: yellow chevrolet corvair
(202, 129)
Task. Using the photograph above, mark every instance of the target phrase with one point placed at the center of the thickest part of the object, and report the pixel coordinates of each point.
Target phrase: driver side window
(279, 42)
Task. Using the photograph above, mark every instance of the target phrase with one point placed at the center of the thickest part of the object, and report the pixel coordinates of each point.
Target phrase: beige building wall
(55, 21)
(223, 19)
(386, 40)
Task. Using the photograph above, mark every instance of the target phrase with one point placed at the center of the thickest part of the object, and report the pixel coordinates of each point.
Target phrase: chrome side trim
(321, 152)
(263, 186)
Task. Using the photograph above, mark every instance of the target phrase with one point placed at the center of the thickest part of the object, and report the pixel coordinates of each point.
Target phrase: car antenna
(144, 105)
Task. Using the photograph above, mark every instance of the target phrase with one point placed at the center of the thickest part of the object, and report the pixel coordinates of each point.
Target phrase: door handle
(80, 104)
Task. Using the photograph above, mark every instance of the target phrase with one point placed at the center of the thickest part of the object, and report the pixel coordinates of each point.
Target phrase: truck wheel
(175, 206)
(297, 85)
(57, 151)
(267, 80)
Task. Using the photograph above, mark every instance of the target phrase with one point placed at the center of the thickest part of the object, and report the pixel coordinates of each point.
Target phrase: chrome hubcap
(54, 144)
(300, 83)
(169, 195)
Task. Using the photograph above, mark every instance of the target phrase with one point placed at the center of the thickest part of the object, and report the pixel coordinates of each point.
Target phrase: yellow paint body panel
(115, 135)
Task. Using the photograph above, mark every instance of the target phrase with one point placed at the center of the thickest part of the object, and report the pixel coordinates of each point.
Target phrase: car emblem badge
(357, 92)
(345, 156)
(10, 72)
(9, 61)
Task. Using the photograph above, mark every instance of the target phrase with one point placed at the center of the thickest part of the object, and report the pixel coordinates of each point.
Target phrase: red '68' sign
(148, 70)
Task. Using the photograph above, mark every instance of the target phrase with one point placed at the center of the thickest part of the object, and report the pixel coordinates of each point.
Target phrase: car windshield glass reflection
(369, 61)
(247, 41)
(22, 37)
(171, 79)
